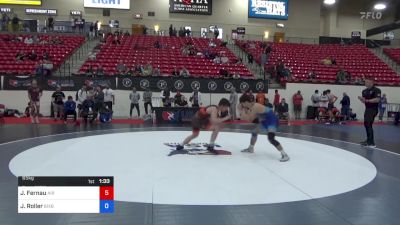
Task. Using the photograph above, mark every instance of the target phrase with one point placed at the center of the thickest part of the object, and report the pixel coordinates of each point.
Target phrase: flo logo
(179, 85)
(228, 86)
(144, 84)
(162, 84)
(195, 85)
(126, 82)
(212, 86)
(196, 149)
(260, 86)
(244, 86)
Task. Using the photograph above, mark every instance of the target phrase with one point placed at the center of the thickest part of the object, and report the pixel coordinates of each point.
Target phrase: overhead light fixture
(157, 27)
(380, 6)
(280, 25)
(329, 2)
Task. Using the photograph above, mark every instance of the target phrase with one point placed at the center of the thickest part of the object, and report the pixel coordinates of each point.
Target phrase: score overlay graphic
(65, 194)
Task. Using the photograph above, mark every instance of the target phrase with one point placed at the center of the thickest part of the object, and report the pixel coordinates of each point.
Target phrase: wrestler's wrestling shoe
(248, 150)
(284, 158)
(179, 147)
(211, 149)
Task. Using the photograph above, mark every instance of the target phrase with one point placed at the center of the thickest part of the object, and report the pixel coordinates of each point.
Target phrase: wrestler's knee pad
(272, 140)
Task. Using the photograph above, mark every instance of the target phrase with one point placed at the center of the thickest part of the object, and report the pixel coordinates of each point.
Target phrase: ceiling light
(329, 2)
(379, 6)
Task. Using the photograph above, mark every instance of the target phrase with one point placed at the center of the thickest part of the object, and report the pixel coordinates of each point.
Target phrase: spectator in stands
(15, 23)
(50, 23)
(280, 67)
(100, 71)
(96, 28)
(91, 31)
(69, 108)
(236, 75)
(260, 98)
(171, 30)
(187, 32)
(157, 44)
(147, 97)
(382, 106)
(157, 72)
(315, 99)
(90, 71)
(109, 97)
(341, 76)
(216, 32)
(116, 40)
(195, 99)
(287, 74)
(277, 98)
(238, 61)
(180, 100)
(4, 22)
(184, 72)
(32, 56)
(181, 32)
(312, 75)
(39, 71)
(20, 56)
(58, 103)
(98, 98)
(148, 69)
(166, 97)
(28, 40)
(212, 44)
(282, 110)
(250, 59)
(333, 60)
(127, 33)
(56, 41)
(121, 68)
(45, 55)
(224, 73)
(139, 70)
(233, 100)
(175, 72)
(345, 102)
(36, 39)
(327, 61)
(359, 80)
(217, 60)
(297, 104)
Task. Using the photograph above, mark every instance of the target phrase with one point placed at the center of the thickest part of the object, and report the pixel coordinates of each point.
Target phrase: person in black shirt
(370, 97)
(58, 103)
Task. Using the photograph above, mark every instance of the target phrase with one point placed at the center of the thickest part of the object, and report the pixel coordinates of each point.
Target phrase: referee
(370, 97)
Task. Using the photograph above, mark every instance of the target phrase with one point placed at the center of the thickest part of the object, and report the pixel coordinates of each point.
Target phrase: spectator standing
(324, 100)
(134, 96)
(332, 99)
(370, 97)
(58, 103)
(81, 96)
(69, 108)
(233, 99)
(297, 104)
(175, 72)
(4, 22)
(179, 100)
(109, 97)
(216, 32)
(315, 99)
(98, 99)
(166, 97)
(96, 28)
(277, 98)
(345, 102)
(382, 106)
(88, 109)
(15, 23)
(50, 23)
(91, 31)
(147, 97)
(195, 99)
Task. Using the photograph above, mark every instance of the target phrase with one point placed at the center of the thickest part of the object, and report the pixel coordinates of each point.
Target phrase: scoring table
(65, 194)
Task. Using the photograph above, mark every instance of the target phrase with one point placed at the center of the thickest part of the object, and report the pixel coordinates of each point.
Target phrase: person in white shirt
(109, 97)
(315, 103)
(81, 96)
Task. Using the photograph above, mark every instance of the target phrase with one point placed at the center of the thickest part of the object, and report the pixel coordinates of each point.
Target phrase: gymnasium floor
(329, 179)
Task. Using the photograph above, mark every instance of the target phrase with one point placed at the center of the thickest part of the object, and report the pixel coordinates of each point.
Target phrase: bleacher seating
(58, 53)
(393, 53)
(302, 58)
(140, 50)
